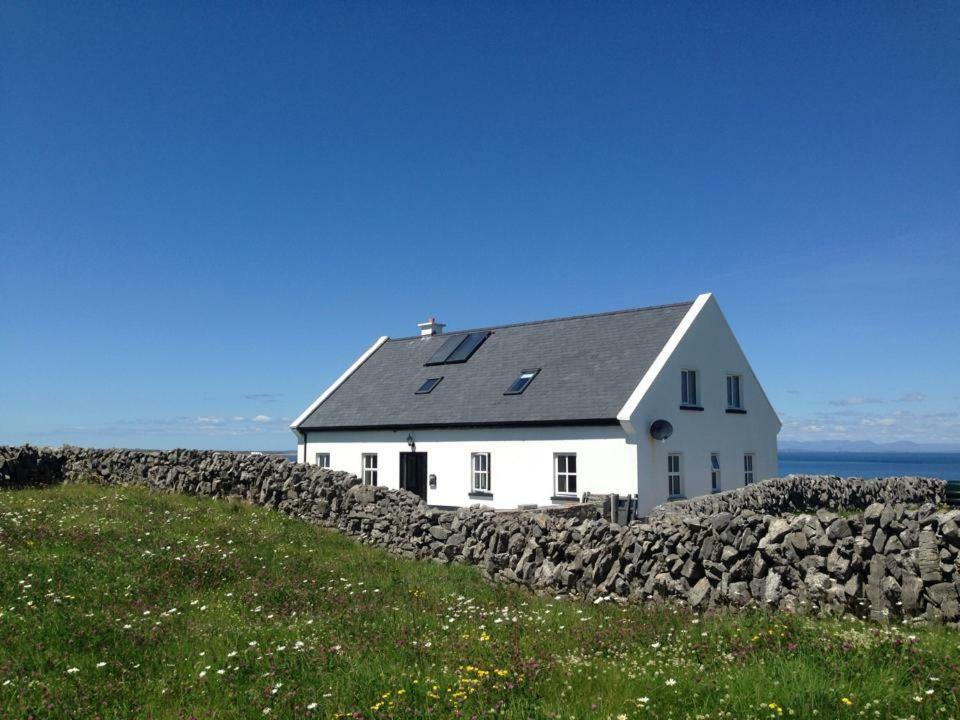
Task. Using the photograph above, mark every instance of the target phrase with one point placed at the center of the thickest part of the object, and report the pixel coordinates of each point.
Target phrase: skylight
(458, 348)
(520, 384)
(428, 385)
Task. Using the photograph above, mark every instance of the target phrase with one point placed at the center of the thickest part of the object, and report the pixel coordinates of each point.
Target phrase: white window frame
(674, 477)
(749, 478)
(369, 470)
(480, 482)
(715, 473)
(565, 475)
(686, 386)
(731, 405)
(318, 462)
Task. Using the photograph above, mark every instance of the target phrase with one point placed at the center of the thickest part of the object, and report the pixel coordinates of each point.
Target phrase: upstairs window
(520, 384)
(748, 469)
(322, 460)
(565, 473)
(480, 464)
(714, 472)
(369, 464)
(688, 388)
(674, 477)
(428, 385)
(734, 398)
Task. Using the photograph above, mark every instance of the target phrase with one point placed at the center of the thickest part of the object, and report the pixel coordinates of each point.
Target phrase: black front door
(413, 473)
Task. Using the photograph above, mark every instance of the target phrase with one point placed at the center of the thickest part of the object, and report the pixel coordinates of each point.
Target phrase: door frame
(419, 485)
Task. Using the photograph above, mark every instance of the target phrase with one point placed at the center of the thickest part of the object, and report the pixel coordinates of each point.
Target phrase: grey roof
(589, 366)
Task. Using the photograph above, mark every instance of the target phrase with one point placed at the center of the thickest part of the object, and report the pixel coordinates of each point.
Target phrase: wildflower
(71, 671)
(671, 682)
(312, 706)
(846, 701)
(203, 673)
(100, 664)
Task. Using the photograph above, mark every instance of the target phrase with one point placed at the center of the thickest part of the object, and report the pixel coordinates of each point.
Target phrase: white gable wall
(521, 459)
(708, 346)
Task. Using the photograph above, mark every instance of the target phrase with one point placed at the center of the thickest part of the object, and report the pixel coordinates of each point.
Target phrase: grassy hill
(118, 602)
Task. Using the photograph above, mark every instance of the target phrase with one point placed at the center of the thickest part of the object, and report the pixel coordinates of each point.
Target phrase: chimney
(431, 327)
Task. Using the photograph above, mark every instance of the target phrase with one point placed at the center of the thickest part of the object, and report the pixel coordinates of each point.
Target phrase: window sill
(673, 498)
(736, 411)
(479, 495)
(564, 498)
(714, 492)
(697, 408)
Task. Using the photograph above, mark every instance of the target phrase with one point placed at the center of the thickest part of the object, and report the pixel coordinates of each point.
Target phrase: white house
(659, 402)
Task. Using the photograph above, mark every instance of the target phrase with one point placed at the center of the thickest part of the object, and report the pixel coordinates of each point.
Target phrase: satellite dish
(661, 430)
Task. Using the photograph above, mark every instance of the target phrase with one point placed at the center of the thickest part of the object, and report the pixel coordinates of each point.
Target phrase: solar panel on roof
(440, 356)
(468, 347)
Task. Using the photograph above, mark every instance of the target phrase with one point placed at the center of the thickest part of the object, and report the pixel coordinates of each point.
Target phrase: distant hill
(866, 446)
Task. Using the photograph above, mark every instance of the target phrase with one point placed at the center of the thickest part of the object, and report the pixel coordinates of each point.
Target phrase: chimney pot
(431, 327)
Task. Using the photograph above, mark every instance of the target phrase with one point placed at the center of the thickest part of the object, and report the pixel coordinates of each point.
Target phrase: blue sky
(208, 210)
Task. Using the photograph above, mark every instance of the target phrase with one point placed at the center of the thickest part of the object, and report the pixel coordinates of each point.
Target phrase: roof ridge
(550, 320)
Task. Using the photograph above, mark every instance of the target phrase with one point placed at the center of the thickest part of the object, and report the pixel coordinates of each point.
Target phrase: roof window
(520, 384)
(428, 385)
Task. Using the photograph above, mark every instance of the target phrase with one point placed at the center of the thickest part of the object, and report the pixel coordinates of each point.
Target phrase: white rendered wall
(710, 348)
(521, 460)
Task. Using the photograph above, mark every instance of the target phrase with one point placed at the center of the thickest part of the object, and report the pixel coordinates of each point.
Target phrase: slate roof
(589, 366)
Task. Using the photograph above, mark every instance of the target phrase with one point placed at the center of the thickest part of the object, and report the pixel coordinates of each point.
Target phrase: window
(674, 478)
(748, 469)
(369, 464)
(520, 384)
(734, 399)
(323, 460)
(480, 464)
(688, 388)
(565, 474)
(368, 468)
(428, 385)
(458, 348)
(714, 472)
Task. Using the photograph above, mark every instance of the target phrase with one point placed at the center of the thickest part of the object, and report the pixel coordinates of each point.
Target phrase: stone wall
(800, 493)
(882, 549)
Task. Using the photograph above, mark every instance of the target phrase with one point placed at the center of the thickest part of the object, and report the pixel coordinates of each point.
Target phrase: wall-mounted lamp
(411, 443)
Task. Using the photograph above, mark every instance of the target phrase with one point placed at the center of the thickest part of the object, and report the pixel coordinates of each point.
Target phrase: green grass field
(121, 603)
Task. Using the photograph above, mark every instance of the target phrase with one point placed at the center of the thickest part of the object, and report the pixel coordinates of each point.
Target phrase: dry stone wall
(883, 549)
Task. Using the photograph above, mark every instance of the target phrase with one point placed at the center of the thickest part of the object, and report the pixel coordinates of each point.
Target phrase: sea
(945, 466)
